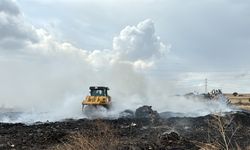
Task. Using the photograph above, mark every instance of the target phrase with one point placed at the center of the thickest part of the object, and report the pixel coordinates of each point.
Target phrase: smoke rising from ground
(47, 79)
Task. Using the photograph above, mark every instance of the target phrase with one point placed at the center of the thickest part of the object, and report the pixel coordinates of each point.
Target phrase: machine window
(97, 93)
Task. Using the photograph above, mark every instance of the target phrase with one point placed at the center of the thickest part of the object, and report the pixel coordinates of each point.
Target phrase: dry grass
(207, 146)
(244, 107)
(226, 129)
(102, 138)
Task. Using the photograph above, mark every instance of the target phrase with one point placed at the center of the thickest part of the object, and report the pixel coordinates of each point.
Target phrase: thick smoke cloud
(47, 75)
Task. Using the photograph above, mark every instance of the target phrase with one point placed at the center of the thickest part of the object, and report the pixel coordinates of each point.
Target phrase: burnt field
(146, 129)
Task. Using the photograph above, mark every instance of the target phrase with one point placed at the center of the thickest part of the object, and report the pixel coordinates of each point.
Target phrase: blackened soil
(135, 133)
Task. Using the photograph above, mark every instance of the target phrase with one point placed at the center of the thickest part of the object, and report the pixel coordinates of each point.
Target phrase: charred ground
(145, 129)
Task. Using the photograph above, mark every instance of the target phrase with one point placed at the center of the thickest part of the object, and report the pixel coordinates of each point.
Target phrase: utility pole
(206, 85)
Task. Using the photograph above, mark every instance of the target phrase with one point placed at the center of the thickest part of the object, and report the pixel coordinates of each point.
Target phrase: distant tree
(235, 94)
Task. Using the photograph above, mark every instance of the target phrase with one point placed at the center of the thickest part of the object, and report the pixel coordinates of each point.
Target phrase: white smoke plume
(48, 79)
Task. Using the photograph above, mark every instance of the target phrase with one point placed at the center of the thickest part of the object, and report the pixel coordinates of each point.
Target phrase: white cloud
(142, 65)
(137, 46)
(139, 42)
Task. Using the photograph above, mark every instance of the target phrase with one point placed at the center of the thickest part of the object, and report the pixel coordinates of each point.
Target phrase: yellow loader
(98, 97)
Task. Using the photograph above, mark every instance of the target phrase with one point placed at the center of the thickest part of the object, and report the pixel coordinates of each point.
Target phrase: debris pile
(137, 132)
(147, 112)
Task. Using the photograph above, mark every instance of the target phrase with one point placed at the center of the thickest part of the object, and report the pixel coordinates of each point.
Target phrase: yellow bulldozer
(98, 97)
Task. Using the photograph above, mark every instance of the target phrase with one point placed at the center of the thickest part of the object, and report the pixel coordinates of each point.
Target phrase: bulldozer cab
(98, 91)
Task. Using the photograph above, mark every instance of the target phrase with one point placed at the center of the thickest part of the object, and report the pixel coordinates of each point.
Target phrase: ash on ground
(142, 129)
